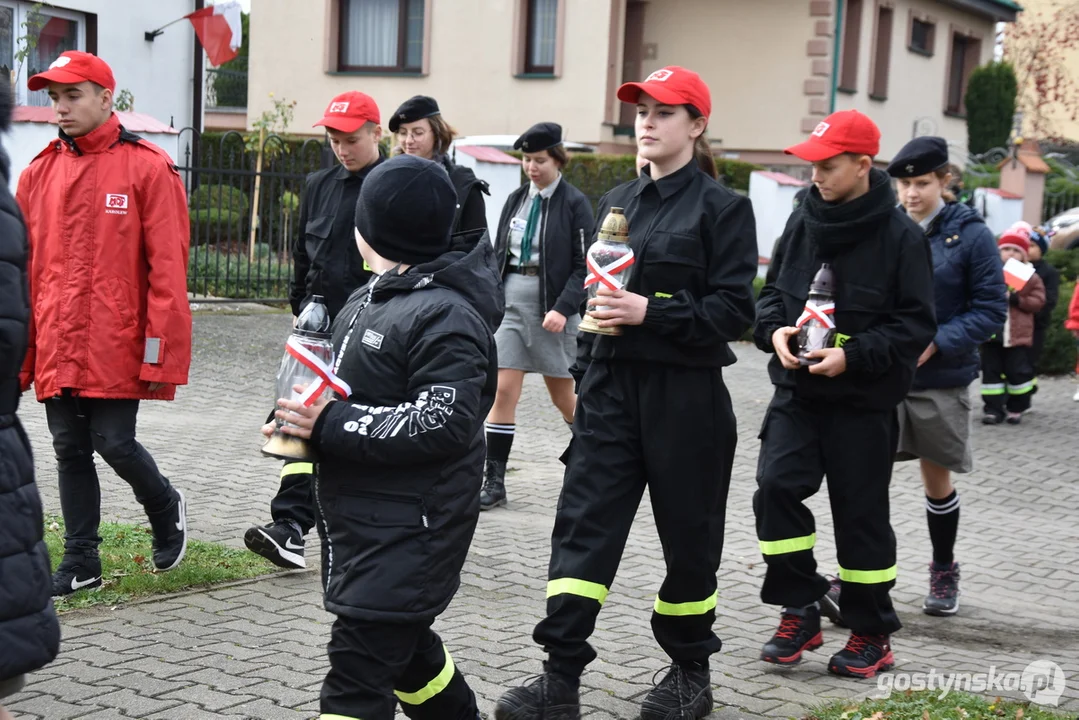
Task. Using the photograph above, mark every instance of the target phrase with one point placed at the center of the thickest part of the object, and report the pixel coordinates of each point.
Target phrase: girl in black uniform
(539, 246)
(653, 411)
(422, 131)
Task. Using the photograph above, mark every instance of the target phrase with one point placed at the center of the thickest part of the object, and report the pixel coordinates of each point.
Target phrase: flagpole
(151, 34)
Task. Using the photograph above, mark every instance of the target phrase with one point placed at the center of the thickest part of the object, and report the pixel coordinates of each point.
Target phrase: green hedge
(219, 274)
(214, 226)
(1058, 357)
(596, 173)
(223, 197)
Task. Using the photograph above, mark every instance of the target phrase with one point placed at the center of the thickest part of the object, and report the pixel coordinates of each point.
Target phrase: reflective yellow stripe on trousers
(868, 577)
(573, 586)
(432, 688)
(683, 609)
(297, 468)
(782, 547)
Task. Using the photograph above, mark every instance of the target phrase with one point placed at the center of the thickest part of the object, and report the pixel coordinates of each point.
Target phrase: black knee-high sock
(943, 516)
(500, 440)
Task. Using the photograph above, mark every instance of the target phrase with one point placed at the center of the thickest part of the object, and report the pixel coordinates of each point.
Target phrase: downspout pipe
(837, 34)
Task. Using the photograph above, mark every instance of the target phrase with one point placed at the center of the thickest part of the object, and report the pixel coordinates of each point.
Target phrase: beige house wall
(753, 57)
(470, 59)
(917, 85)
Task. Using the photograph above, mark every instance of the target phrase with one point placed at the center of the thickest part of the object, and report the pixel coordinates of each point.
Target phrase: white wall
(772, 205)
(502, 178)
(26, 139)
(158, 73)
(1000, 213)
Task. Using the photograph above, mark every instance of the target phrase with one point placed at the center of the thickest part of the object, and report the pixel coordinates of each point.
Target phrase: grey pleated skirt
(522, 342)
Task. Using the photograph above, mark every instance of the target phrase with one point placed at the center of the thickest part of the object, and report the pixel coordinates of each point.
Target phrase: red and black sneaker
(863, 657)
(796, 634)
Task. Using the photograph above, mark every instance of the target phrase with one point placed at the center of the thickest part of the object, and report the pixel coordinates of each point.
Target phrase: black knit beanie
(405, 210)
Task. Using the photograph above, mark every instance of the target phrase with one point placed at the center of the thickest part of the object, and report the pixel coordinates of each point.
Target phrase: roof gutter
(835, 53)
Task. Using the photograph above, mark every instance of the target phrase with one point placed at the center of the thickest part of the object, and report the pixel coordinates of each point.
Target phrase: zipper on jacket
(325, 531)
(423, 509)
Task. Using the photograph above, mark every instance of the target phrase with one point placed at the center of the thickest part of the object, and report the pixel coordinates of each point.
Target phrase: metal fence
(244, 211)
(226, 87)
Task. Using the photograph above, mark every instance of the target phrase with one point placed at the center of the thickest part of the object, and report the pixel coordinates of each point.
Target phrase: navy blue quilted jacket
(29, 631)
(971, 298)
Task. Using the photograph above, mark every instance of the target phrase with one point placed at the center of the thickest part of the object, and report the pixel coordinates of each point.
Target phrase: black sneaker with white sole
(170, 533)
(77, 571)
(943, 597)
(280, 542)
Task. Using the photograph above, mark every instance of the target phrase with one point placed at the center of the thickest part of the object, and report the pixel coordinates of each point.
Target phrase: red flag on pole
(219, 31)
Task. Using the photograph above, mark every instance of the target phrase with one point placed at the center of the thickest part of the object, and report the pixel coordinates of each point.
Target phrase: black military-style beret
(413, 109)
(539, 137)
(920, 156)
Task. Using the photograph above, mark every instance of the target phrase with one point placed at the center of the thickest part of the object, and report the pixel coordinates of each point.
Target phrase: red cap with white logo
(72, 68)
(672, 85)
(349, 111)
(846, 131)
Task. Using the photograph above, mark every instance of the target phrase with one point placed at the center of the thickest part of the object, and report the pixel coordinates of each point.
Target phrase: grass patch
(926, 705)
(128, 570)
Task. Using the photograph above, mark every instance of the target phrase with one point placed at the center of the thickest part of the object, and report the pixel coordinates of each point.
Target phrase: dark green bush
(223, 197)
(990, 103)
(219, 274)
(1058, 358)
(214, 226)
(1067, 262)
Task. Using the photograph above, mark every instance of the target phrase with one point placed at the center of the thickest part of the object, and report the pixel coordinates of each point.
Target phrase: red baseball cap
(846, 131)
(672, 85)
(349, 111)
(73, 67)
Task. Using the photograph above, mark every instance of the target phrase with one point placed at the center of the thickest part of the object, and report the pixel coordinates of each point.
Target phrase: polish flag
(1017, 273)
(219, 31)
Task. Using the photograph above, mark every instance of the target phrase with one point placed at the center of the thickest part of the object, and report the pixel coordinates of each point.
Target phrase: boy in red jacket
(106, 218)
(1007, 373)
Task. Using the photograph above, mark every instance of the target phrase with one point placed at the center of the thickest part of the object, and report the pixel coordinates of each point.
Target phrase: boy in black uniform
(325, 262)
(837, 417)
(653, 411)
(400, 460)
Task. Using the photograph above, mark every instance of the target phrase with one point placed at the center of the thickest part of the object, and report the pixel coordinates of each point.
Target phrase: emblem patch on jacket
(115, 204)
(372, 339)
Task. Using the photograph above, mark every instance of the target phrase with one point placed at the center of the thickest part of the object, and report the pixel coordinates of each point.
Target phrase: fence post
(255, 196)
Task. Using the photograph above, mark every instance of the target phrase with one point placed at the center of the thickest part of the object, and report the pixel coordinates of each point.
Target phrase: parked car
(1065, 229)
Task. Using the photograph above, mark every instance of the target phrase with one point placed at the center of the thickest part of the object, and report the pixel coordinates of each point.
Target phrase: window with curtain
(882, 54)
(54, 30)
(384, 35)
(852, 29)
(542, 36)
(966, 52)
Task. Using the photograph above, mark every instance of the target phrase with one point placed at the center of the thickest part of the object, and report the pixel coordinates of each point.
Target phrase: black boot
(493, 493)
(551, 696)
(684, 693)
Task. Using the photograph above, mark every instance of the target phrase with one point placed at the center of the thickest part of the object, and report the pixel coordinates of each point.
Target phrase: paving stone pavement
(256, 649)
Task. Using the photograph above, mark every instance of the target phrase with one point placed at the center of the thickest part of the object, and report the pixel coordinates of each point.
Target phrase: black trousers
(1007, 378)
(80, 427)
(801, 442)
(294, 500)
(375, 665)
(672, 430)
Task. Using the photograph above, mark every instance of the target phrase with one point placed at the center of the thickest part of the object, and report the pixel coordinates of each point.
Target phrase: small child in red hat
(1007, 373)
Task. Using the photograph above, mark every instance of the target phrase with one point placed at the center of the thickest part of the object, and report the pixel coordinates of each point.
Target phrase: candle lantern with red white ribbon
(816, 325)
(307, 363)
(610, 264)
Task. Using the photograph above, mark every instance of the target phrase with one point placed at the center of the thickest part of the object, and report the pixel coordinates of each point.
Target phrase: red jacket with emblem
(106, 217)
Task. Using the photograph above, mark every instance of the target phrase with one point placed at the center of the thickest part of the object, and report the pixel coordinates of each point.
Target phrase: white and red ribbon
(326, 378)
(606, 274)
(822, 312)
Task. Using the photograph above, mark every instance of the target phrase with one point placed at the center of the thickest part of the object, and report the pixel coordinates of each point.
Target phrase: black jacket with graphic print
(400, 462)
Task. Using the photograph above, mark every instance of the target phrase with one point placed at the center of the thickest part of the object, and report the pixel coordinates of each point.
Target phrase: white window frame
(22, 11)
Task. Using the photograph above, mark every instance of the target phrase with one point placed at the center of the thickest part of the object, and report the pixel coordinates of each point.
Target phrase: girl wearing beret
(539, 245)
(421, 130)
(971, 306)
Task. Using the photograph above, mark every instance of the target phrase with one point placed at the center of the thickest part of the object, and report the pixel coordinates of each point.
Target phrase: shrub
(214, 226)
(219, 274)
(1067, 262)
(1058, 357)
(219, 197)
(990, 102)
